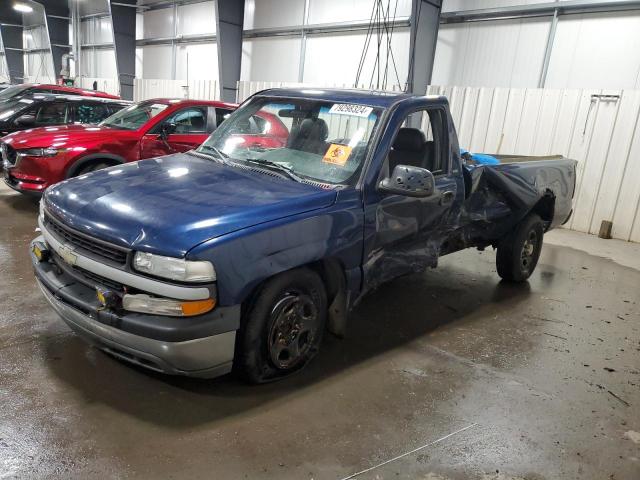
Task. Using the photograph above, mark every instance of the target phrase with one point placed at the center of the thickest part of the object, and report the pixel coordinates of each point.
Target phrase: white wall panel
(158, 23)
(596, 51)
(617, 160)
(96, 30)
(271, 59)
(327, 11)
(139, 25)
(99, 63)
(139, 61)
(144, 89)
(197, 18)
(604, 116)
(454, 5)
(273, 13)
(202, 61)
(627, 205)
(156, 61)
(109, 85)
(334, 58)
(500, 53)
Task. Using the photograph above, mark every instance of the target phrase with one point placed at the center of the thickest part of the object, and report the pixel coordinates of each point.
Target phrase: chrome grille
(9, 154)
(93, 247)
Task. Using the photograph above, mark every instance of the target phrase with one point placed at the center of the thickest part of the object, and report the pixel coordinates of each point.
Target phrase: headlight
(38, 152)
(174, 268)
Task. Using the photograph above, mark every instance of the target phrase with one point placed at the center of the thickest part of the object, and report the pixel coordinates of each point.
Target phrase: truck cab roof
(372, 98)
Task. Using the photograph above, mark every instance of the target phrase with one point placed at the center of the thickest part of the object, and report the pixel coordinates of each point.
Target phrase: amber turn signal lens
(197, 307)
(40, 251)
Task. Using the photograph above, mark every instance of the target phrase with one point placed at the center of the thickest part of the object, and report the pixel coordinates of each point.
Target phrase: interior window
(190, 120)
(222, 114)
(51, 114)
(421, 142)
(253, 125)
(91, 113)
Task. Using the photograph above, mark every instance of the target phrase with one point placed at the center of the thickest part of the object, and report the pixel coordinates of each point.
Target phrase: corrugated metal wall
(150, 88)
(590, 50)
(601, 133)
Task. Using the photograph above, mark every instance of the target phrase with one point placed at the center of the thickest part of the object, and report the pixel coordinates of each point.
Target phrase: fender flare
(78, 164)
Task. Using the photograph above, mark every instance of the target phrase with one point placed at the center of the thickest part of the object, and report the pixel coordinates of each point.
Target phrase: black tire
(282, 327)
(518, 252)
(92, 167)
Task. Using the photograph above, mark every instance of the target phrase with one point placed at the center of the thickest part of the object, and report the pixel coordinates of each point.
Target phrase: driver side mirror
(167, 129)
(27, 120)
(409, 181)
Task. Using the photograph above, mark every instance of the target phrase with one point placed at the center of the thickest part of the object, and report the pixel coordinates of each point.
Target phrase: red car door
(185, 129)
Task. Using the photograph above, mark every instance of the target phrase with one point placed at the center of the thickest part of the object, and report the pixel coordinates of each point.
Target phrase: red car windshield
(135, 116)
(14, 90)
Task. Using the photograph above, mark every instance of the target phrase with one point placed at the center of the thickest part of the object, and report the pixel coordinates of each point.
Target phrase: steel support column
(11, 31)
(57, 13)
(425, 20)
(230, 21)
(123, 19)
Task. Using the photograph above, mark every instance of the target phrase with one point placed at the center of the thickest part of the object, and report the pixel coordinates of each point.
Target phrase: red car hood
(60, 136)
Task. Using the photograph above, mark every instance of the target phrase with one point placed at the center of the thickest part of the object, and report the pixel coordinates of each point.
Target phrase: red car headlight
(38, 152)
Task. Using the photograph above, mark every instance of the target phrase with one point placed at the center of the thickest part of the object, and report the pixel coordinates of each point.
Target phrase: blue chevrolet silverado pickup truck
(237, 256)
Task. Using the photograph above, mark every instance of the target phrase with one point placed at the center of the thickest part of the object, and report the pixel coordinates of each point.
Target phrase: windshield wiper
(274, 166)
(219, 153)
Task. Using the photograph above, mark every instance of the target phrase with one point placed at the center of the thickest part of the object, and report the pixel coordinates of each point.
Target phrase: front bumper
(202, 356)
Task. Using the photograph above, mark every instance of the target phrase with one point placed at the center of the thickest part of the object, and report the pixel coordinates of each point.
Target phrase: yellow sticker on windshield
(337, 154)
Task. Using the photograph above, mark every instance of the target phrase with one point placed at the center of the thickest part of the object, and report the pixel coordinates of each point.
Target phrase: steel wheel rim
(528, 251)
(293, 325)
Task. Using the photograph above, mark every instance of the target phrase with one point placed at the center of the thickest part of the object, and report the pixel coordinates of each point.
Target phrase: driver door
(408, 233)
(186, 129)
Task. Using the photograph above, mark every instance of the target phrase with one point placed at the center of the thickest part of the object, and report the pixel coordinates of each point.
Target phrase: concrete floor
(538, 381)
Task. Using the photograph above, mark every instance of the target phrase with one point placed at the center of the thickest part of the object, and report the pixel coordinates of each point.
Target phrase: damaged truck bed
(237, 255)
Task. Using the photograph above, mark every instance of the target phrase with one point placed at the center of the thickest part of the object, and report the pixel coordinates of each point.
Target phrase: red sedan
(36, 158)
(31, 88)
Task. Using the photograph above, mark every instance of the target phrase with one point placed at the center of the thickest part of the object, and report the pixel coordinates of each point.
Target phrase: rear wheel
(282, 328)
(519, 251)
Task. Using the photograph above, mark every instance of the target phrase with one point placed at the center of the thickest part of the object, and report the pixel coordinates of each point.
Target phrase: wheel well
(545, 207)
(331, 272)
(78, 165)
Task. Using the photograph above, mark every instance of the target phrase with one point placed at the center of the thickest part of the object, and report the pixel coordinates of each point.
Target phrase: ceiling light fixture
(21, 7)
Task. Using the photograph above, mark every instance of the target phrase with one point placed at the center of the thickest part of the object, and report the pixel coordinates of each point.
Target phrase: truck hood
(170, 204)
(60, 136)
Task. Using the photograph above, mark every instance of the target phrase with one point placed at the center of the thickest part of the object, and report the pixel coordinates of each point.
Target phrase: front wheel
(92, 167)
(519, 251)
(282, 328)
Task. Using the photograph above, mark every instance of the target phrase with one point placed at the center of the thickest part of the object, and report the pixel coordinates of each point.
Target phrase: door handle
(446, 198)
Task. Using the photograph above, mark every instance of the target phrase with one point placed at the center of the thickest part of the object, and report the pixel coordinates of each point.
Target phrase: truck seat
(409, 148)
(310, 136)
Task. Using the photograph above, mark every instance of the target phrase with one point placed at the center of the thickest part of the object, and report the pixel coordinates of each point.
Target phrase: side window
(222, 114)
(189, 120)
(51, 114)
(421, 142)
(254, 125)
(91, 113)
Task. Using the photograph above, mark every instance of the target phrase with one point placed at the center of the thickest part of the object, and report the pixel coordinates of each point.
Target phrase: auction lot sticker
(350, 109)
(337, 154)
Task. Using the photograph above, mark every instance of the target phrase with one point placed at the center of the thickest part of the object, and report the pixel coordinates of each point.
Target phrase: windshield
(12, 91)
(133, 117)
(309, 139)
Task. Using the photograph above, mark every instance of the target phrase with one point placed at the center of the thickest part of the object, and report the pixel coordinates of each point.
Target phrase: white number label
(349, 109)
